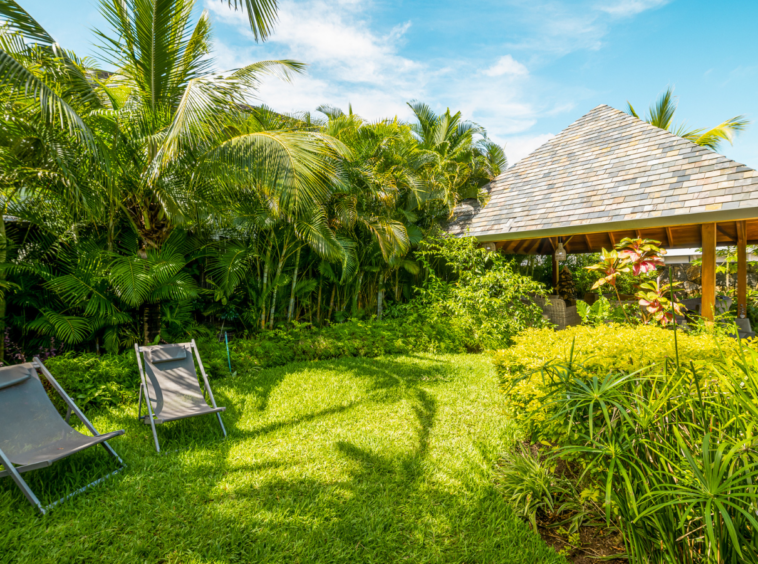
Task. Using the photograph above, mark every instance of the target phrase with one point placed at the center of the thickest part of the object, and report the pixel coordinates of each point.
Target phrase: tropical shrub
(153, 200)
(479, 293)
(660, 428)
(109, 379)
(598, 350)
(95, 380)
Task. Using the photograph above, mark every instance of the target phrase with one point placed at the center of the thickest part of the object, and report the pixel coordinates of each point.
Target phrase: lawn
(351, 460)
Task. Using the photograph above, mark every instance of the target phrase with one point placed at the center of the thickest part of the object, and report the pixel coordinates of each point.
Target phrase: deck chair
(32, 432)
(170, 386)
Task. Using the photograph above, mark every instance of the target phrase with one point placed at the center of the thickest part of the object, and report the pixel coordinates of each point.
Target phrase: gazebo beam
(708, 273)
(725, 233)
(535, 245)
(741, 269)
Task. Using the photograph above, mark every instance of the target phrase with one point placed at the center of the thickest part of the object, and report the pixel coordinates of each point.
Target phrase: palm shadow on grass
(204, 505)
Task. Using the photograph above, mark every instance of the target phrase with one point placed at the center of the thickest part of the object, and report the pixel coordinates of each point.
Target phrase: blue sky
(524, 69)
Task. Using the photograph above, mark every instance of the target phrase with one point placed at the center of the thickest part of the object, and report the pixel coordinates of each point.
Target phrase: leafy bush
(95, 381)
(476, 292)
(600, 350)
(666, 433)
(353, 338)
(99, 381)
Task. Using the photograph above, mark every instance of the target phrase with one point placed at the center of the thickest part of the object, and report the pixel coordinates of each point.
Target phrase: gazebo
(608, 176)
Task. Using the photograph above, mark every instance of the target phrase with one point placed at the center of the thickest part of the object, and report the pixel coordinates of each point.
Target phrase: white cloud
(625, 8)
(506, 65)
(516, 148)
(334, 35)
(351, 60)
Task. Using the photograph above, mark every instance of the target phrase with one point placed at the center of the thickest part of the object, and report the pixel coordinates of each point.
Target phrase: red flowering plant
(641, 257)
(644, 255)
(656, 303)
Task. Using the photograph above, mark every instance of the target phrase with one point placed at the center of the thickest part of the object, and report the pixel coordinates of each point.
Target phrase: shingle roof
(607, 169)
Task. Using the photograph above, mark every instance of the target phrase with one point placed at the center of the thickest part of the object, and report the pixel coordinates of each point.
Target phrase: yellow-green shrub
(600, 350)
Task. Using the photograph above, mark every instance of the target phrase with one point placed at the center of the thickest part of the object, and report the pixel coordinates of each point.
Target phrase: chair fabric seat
(32, 432)
(170, 385)
(182, 412)
(65, 446)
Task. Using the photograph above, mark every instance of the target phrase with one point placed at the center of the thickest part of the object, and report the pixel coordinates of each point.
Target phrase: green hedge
(99, 381)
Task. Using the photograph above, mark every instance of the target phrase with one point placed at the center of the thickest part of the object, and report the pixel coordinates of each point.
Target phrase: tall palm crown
(661, 114)
(462, 156)
(161, 133)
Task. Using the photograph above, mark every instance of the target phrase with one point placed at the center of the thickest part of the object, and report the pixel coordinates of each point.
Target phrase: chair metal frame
(15, 472)
(143, 390)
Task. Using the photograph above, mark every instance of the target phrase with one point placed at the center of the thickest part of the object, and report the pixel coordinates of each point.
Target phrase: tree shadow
(247, 499)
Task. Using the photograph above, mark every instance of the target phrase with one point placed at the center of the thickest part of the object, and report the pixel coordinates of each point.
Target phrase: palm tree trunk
(331, 303)
(263, 292)
(357, 293)
(294, 283)
(3, 257)
(145, 328)
(379, 297)
(273, 297)
(318, 305)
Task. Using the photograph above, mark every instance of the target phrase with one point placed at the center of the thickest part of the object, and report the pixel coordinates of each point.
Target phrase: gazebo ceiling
(607, 176)
(675, 237)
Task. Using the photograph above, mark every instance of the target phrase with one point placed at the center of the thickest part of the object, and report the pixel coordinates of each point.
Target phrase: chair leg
(221, 423)
(25, 489)
(82, 489)
(139, 408)
(155, 434)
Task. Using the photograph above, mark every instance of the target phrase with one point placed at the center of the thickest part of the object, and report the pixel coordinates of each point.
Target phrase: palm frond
(662, 112)
(68, 328)
(131, 280)
(262, 15)
(299, 167)
(725, 131)
(22, 84)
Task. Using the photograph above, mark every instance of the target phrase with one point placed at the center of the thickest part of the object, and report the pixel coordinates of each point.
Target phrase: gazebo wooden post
(555, 273)
(741, 269)
(708, 270)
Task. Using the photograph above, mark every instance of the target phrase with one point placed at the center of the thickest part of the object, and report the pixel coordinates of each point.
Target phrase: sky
(523, 69)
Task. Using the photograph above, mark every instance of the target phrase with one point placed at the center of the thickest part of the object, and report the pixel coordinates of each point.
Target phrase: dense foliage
(599, 350)
(154, 202)
(476, 303)
(479, 292)
(655, 430)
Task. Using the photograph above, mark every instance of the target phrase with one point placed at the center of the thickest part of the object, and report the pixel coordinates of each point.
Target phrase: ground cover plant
(350, 460)
(600, 349)
(106, 379)
(654, 431)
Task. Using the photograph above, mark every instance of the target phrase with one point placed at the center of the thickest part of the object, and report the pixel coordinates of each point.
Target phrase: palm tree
(159, 143)
(461, 158)
(661, 114)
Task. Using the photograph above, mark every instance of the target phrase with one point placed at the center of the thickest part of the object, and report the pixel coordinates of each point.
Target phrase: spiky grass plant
(674, 454)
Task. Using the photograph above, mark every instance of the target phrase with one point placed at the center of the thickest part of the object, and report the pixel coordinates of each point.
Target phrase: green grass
(352, 460)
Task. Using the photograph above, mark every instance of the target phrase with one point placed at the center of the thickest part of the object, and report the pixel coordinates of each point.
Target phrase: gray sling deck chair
(170, 386)
(32, 432)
